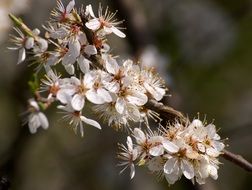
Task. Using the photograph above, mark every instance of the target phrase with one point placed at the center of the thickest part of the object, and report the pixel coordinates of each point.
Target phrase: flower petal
(139, 136)
(104, 94)
(74, 47)
(70, 69)
(88, 80)
(170, 146)
(187, 169)
(132, 171)
(111, 65)
(118, 32)
(93, 24)
(129, 143)
(170, 165)
(213, 172)
(90, 50)
(137, 98)
(21, 55)
(29, 43)
(93, 97)
(91, 122)
(70, 6)
(157, 150)
(120, 105)
(84, 64)
(89, 10)
(78, 102)
(43, 120)
(33, 123)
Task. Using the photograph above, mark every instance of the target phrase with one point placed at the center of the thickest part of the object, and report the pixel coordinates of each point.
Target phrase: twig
(238, 160)
(166, 112)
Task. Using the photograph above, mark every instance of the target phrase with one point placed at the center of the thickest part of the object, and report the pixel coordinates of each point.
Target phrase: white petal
(43, 120)
(68, 59)
(104, 94)
(84, 64)
(139, 136)
(60, 33)
(120, 105)
(170, 165)
(111, 65)
(21, 55)
(211, 131)
(52, 60)
(88, 80)
(112, 86)
(212, 152)
(34, 104)
(156, 164)
(70, 6)
(170, 146)
(75, 81)
(70, 69)
(90, 50)
(157, 150)
(132, 171)
(197, 123)
(187, 169)
(62, 96)
(134, 113)
(219, 146)
(29, 43)
(129, 143)
(159, 93)
(89, 10)
(93, 24)
(33, 123)
(43, 44)
(137, 98)
(91, 122)
(203, 168)
(78, 102)
(118, 32)
(82, 38)
(201, 147)
(171, 178)
(213, 172)
(74, 47)
(36, 31)
(107, 30)
(93, 97)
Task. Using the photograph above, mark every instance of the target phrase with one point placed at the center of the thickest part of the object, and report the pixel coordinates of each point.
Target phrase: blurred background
(203, 49)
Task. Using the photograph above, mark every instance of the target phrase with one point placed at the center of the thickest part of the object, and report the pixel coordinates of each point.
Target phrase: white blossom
(105, 21)
(128, 156)
(62, 13)
(36, 118)
(76, 119)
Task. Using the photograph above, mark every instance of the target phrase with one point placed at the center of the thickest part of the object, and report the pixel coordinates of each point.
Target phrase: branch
(171, 115)
(238, 160)
(166, 112)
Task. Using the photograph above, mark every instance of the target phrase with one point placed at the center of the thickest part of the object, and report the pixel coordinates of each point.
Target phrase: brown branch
(166, 112)
(171, 115)
(238, 160)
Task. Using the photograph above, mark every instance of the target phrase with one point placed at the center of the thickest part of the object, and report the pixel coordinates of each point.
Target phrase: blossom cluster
(189, 149)
(77, 40)
(117, 91)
